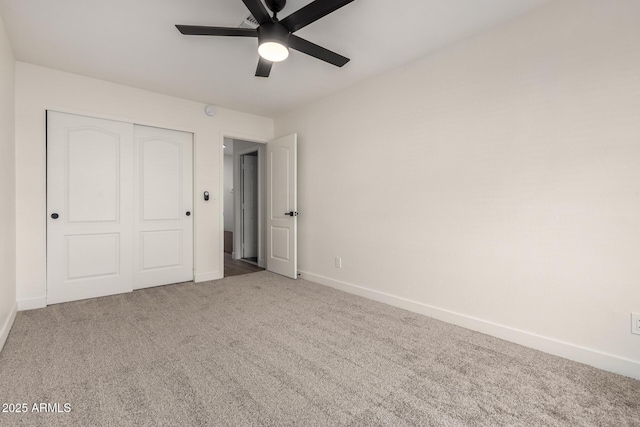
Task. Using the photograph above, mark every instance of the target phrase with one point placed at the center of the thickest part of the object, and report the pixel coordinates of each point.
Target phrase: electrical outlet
(338, 262)
(635, 323)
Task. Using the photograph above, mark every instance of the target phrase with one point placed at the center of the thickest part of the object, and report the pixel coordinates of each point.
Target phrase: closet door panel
(89, 207)
(163, 236)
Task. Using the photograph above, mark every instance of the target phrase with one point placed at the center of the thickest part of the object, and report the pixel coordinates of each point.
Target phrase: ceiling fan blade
(316, 51)
(311, 13)
(258, 10)
(197, 30)
(264, 68)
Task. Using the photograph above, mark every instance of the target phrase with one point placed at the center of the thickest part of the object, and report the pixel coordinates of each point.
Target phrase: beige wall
(7, 188)
(495, 184)
(39, 89)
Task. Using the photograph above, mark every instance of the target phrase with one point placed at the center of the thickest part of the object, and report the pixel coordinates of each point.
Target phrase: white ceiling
(134, 42)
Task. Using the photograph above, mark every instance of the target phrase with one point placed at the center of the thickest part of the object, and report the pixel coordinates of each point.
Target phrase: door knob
(291, 213)
(188, 213)
(54, 215)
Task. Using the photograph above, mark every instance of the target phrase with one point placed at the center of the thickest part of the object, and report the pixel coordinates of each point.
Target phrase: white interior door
(282, 205)
(250, 206)
(163, 194)
(89, 207)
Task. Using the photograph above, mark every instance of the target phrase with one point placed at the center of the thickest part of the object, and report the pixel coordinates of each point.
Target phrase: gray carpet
(260, 349)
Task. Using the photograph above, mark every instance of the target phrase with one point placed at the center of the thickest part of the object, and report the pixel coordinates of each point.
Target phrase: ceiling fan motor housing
(273, 32)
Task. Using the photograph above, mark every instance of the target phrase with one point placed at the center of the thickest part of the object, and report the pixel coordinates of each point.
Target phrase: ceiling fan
(275, 37)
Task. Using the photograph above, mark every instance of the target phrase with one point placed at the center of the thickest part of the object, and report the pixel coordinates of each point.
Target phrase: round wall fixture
(209, 110)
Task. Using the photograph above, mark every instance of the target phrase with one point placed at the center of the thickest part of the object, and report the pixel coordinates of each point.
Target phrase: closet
(119, 207)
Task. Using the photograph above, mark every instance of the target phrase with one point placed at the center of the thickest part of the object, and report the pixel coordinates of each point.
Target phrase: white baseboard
(598, 359)
(7, 324)
(32, 304)
(204, 277)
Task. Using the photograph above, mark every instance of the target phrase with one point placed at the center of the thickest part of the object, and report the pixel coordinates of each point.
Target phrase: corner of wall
(31, 304)
(205, 277)
(7, 186)
(6, 325)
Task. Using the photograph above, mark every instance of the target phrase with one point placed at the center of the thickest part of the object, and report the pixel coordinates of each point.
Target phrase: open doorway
(243, 211)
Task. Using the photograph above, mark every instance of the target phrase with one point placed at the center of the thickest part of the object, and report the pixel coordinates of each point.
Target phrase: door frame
(260, 148)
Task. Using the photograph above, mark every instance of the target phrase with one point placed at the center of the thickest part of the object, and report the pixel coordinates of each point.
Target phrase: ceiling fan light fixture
(273, 51)
(273, 42)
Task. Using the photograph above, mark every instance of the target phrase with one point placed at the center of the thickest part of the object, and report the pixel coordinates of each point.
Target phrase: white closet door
(163, 211)
(89, 207)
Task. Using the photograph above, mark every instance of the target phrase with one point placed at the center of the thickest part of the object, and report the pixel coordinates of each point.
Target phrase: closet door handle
(55, 215)
(188, 213)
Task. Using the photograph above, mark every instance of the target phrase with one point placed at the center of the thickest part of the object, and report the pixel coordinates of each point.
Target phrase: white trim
(204, 277)
(8, 323)
(32, 303)
(595, 358)
(243, 137)
(96, 115)
(259, 149)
